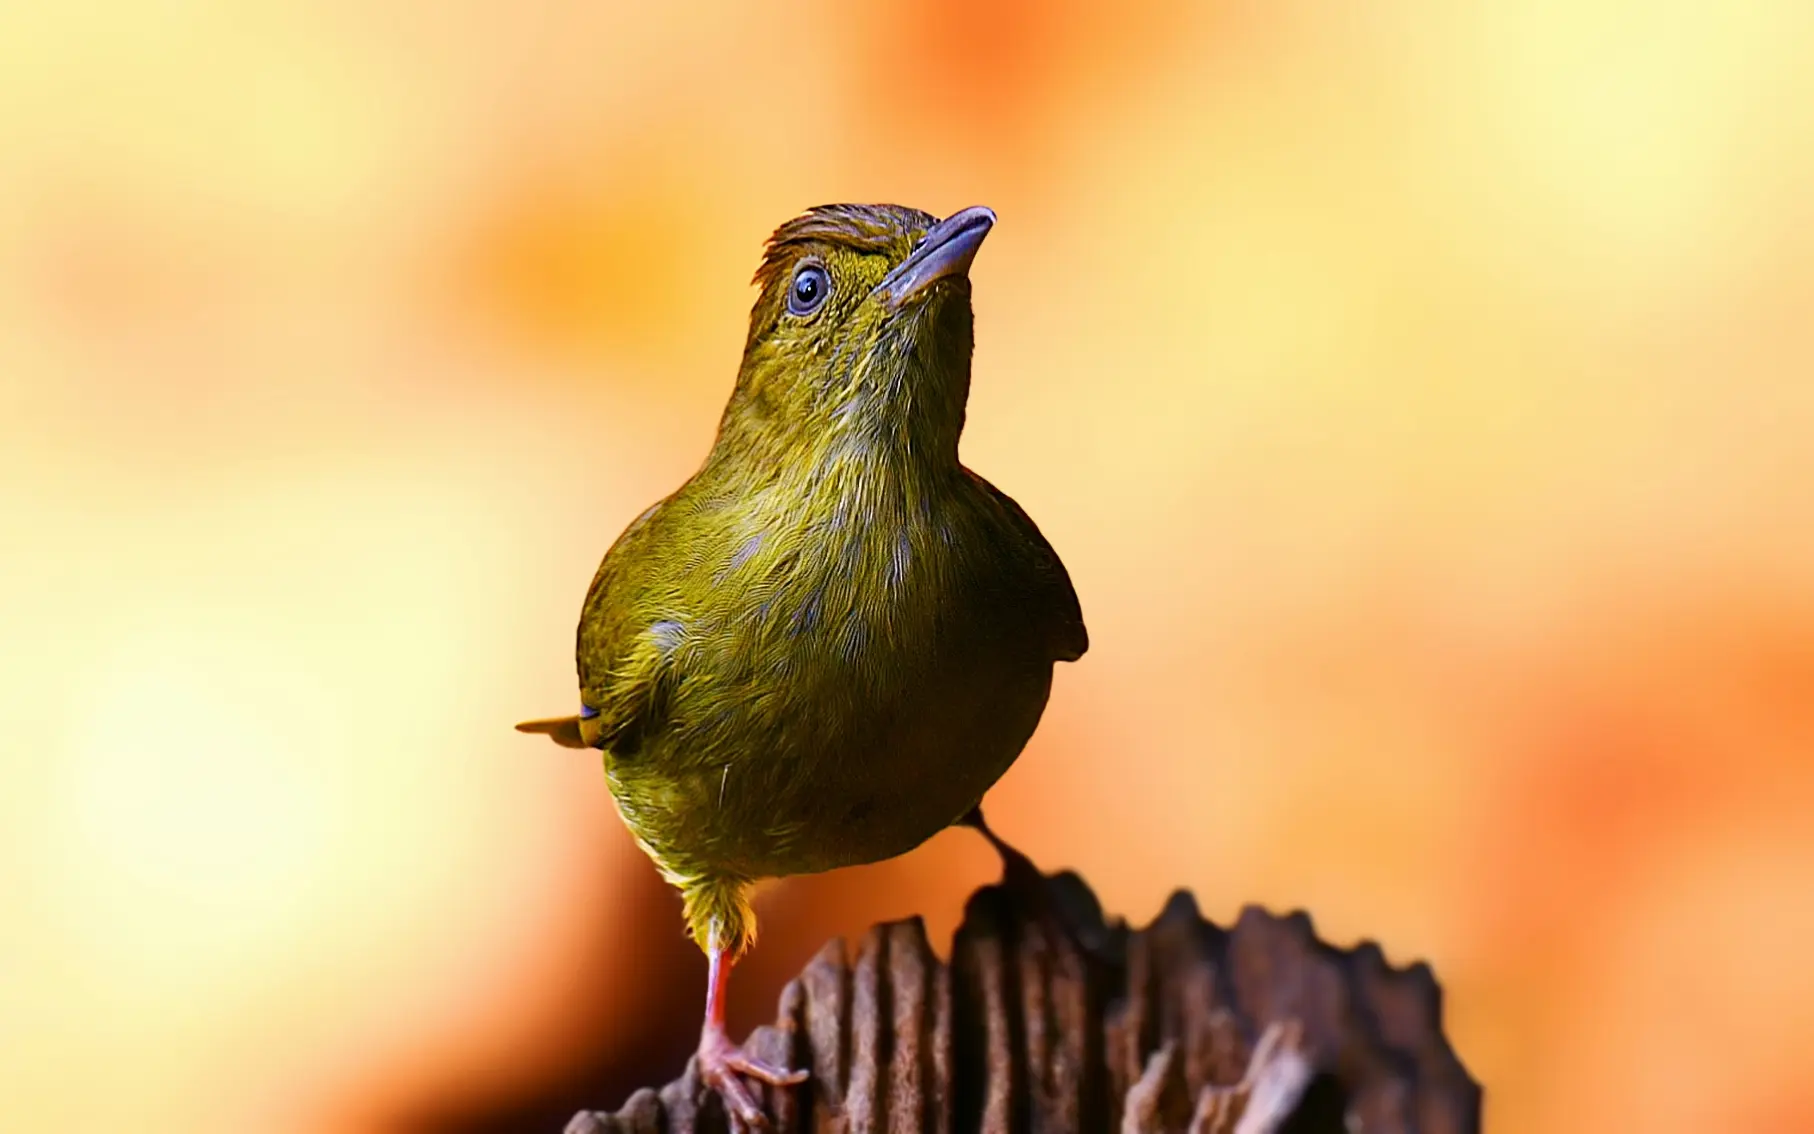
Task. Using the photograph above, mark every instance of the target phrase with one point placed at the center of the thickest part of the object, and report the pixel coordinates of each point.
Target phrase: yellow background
(1422, 395)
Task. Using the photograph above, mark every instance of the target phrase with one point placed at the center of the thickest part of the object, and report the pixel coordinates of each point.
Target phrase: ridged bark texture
(1040, 1028)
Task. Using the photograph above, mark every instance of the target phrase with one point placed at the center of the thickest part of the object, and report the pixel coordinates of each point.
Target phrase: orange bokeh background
(1421, 394)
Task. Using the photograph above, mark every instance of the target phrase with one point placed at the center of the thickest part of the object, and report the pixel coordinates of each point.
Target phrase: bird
(829, 643)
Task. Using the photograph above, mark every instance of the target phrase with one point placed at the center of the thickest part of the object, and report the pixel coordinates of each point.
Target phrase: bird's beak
(946, 251)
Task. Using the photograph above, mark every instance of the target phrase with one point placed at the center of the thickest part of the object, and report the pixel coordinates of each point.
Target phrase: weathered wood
(1180, 1028)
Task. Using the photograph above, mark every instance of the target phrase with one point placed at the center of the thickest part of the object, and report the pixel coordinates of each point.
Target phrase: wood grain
(1043, 1024)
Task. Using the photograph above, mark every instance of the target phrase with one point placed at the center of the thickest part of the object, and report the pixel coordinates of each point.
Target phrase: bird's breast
(856, 671)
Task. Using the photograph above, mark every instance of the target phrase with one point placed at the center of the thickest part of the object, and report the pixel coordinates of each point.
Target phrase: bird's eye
(811, 286)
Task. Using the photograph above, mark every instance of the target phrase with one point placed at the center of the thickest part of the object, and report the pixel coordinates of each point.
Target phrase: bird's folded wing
(1064, 614)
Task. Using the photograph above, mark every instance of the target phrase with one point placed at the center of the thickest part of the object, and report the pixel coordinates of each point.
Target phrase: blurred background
(1421, 394)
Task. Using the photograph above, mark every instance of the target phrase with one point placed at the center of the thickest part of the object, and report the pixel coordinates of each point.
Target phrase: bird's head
(862, 331)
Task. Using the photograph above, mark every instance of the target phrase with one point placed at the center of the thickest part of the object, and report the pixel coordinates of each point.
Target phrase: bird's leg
(722, 1064)
(1017, 870)
(1031, 884)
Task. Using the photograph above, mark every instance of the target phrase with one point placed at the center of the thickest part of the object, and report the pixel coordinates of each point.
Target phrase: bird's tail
(568, 732)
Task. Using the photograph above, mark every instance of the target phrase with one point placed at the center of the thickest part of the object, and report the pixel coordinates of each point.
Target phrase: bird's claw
(1041, 895)
(723, 1067)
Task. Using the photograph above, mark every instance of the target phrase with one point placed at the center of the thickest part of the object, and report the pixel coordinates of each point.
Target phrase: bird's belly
(831, 782)
(880, 793)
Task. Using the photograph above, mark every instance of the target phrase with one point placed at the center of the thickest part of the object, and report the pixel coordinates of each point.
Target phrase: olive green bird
(827, 645)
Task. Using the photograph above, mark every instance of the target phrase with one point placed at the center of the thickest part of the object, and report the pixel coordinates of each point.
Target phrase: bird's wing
(628, 630)
(1052, 582)
(620, 652)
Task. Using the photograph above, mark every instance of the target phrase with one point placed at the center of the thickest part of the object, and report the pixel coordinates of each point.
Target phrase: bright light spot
(196, 820)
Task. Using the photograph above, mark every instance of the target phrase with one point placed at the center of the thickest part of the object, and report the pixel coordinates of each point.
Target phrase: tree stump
(1082, 1027)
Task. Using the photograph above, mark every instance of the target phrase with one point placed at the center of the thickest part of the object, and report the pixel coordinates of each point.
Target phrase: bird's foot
(1051, 898)
(1063, 908)
(723, 1067)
